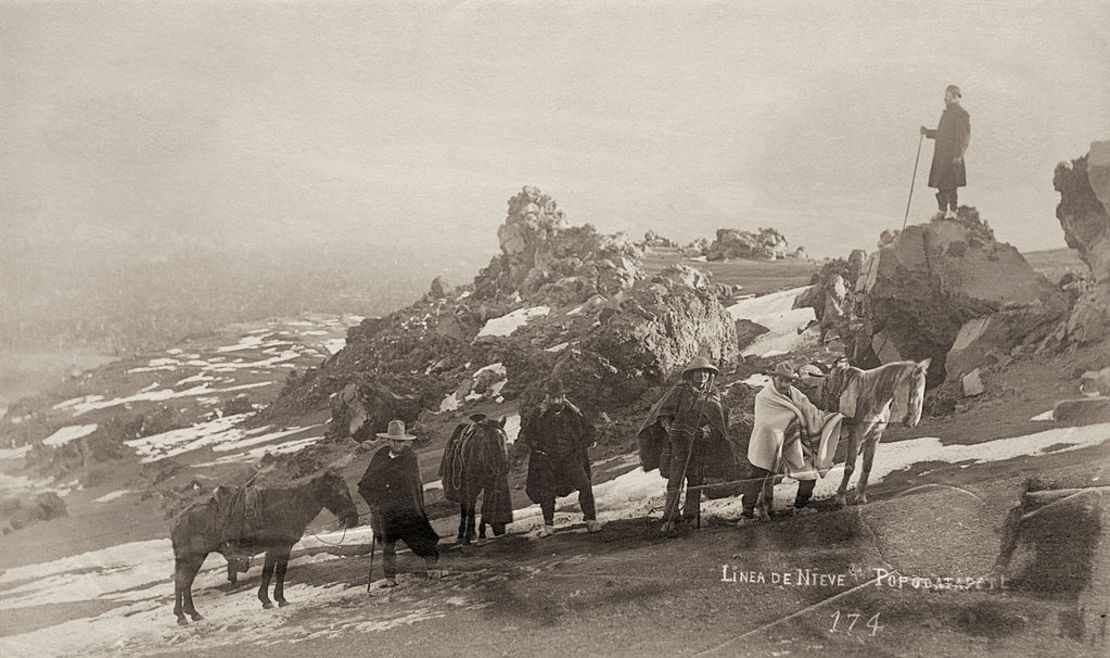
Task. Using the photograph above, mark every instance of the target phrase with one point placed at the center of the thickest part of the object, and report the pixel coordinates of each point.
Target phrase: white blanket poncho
(773, 412)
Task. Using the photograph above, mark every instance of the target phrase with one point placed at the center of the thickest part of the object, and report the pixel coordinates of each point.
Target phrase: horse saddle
(237, 511)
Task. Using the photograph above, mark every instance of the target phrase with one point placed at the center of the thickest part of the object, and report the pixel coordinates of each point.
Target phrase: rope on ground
(1037, 511)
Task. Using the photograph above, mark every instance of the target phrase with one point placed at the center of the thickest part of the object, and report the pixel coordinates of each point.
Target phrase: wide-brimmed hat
(700, 363)
(955, 90)
(395, 431)
(554, 387)
(781, 370)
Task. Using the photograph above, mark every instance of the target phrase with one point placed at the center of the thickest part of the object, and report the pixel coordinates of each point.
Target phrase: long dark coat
(391, 487)
(952, 135)
(690, 413)
(559, 443)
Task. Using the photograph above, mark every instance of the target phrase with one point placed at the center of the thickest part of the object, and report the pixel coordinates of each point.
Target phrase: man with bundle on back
(686, 425)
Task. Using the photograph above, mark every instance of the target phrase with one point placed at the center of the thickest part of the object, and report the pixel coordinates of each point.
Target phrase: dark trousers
(760, 479)
(947, 199)
(389, 556)
(411, 527)
(575, 473)
(681, 449)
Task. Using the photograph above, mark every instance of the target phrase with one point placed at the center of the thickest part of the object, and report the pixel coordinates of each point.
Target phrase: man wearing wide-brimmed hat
(792, 436)
(392, 487)
(559, 435)
(685, 425)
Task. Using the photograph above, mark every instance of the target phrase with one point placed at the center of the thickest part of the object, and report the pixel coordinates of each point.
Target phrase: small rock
(972, 383)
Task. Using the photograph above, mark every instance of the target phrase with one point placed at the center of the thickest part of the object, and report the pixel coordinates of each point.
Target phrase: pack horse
(476, 461)
(281, 515)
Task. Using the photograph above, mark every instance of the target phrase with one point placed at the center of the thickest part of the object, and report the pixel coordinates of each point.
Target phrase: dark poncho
(392, 488)
(559, 443)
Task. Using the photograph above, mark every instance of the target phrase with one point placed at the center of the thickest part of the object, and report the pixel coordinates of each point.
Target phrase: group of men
(796, 431)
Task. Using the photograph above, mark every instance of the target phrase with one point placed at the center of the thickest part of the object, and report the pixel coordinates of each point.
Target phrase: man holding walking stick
(686, 425)
(952, 135)
(392, 488)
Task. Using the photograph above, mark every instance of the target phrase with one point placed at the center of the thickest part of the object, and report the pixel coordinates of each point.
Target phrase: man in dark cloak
(395, 493)
(952, 135)
(686, 432)
(559, 436)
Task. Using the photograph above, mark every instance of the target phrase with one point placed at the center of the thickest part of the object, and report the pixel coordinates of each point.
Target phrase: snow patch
(159, 396)
(67, 434)
(74, 402)
(109, 497)
(507, 324)
(512, 427)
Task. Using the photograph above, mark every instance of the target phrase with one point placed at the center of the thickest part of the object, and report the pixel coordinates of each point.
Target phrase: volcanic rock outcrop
(1084, 208)
(542, 255)
(920, 291)
(1084, 214)
(832, 296)
(558, 301)
(767, 244)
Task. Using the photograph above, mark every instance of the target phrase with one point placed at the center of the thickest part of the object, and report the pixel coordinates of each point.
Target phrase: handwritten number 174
(853, 618)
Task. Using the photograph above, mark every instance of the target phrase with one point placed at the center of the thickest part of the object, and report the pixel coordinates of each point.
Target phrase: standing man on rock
(392, 487)
(952, 135)
(559, 436)
(692, 417)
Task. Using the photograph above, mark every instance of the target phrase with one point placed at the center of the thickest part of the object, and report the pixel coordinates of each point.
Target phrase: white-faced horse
(869, 400)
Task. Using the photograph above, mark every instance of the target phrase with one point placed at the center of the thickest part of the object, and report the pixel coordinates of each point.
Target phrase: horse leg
(267, 574)
(184, 575)
(179, 591)
(849, 463)
(280, 567)
(869, 446)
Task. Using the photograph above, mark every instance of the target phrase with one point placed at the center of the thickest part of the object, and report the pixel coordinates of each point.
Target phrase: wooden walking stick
(370, 572)
(913, 181)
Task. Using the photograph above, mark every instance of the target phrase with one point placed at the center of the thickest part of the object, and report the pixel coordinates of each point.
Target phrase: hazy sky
(415, 122)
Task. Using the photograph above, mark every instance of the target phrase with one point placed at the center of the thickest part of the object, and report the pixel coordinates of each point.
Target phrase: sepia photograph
(554, 328)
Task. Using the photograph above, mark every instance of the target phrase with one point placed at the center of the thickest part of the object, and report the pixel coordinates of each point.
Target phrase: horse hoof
(266, 605)
(861, 499)
(841, 501)
(181, 621)
(196, 616)
(282, 603)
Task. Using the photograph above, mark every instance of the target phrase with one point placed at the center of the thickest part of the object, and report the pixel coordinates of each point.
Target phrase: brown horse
(476, 460)
(282, 514)
(868, 401)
